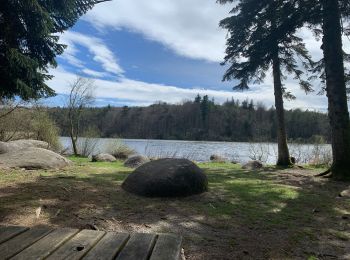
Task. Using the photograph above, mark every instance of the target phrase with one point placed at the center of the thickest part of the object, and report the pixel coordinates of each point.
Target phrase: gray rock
(135, 161)
(253, 165)
(167, 178)
(33, 158)
(345, 193)
(217, 158)
(103, 157)
(22, 144)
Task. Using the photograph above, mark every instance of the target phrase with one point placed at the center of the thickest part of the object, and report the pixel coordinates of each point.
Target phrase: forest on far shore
(200, 119)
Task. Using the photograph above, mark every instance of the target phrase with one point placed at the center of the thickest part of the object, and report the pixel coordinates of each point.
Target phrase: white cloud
(93, 73)
(142, 93)
(190, 28)
(101, 53)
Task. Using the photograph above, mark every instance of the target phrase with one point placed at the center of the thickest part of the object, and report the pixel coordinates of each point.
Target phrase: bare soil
(270, 214)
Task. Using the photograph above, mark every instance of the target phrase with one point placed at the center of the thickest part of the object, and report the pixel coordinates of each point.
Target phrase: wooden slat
(20, 242)
(138, 247)
(9, 232)
(168, 247)
(108, 247)
(45, 246)
(77, 246)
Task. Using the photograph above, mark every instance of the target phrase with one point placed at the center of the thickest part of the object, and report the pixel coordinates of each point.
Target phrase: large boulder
(135, 161)
(103, 157)
(167, 178)
(33, 158)
(253, 165)
(21, 144)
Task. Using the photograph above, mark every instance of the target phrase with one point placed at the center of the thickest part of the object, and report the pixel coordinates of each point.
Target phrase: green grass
(261, 201)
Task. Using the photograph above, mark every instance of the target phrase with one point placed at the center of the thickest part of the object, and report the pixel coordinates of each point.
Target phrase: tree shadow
(244, 215)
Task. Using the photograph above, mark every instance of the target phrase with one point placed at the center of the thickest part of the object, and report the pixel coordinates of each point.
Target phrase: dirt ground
(270, 214)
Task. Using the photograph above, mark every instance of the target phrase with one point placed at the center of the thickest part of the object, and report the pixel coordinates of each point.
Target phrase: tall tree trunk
(336, 90)
(283, 152)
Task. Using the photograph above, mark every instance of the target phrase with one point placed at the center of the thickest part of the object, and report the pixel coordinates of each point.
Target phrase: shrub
(88, 143)
(119, 150)
(30, 123)
(44, 129)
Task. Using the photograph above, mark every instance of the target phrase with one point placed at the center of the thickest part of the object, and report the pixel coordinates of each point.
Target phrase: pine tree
(29, 43)
(328, 15)
(262, 35)
(336, 87)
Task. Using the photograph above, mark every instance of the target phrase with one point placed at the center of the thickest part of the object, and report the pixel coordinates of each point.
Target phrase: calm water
(202, 150)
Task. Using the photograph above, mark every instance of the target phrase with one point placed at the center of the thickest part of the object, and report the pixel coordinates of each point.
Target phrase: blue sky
(140, 52)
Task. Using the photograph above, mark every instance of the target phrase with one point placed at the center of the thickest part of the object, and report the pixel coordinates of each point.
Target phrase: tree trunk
(283, 152)
(336, 90)
(74, 142)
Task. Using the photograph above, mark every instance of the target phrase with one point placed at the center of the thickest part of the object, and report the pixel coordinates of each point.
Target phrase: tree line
(262, 35)
(200, 119)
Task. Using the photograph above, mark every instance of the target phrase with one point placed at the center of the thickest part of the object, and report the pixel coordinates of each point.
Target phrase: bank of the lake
(201, 151)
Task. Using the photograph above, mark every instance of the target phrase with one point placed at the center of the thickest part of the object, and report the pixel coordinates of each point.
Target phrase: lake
(202, 150)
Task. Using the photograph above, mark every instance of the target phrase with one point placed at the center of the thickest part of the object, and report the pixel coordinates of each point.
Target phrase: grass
(271, 214)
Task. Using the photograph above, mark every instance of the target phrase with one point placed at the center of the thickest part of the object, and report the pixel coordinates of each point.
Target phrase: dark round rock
(166, 178)
(293, 160)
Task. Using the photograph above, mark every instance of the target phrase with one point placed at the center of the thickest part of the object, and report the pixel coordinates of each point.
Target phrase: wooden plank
(20, 242)
(45, 246)
(77, 246)
(9, 232)
(168, 247)
(138, 247)
(108, 247)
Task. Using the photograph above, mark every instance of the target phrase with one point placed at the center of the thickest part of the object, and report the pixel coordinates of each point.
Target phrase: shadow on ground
(275, 214)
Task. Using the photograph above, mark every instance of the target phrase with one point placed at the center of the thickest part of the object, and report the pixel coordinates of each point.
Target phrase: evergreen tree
(328, 14)
(29, 43)
(258, 40)
(325, 18)
(198, 99)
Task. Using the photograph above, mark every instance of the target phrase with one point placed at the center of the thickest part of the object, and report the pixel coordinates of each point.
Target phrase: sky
(141, 52)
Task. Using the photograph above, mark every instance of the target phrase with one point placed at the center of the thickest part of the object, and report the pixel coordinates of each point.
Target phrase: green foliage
(258, 31)
(232, 121)
(29, 43)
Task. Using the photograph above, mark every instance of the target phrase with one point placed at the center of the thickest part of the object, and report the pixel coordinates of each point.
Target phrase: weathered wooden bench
(64, 243)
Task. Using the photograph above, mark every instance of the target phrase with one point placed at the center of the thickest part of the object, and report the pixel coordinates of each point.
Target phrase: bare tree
(7, 106)
(81, 96)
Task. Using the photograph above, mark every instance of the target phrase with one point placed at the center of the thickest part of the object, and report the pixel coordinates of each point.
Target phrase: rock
(33, 158)
(135, 161)
(167, 178)
(217, 158)
(346, 216)
(103, 157)
(22, 144)
(252, 165)
(345, 193)
(293, 160)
